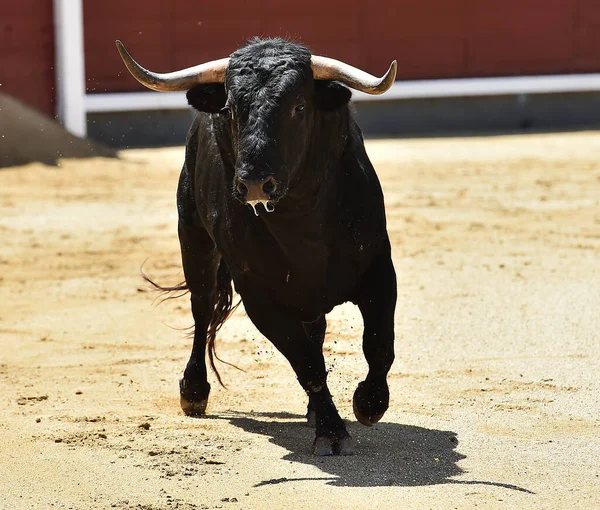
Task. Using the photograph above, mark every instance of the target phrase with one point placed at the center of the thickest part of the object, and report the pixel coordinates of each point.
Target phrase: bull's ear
(208, 97)
(331, 95)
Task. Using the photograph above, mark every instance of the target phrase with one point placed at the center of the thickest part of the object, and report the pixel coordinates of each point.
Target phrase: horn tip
(120, 47)
(122, 50)
(392, 71)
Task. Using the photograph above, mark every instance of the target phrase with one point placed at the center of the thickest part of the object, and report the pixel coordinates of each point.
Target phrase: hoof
(346, 446)
(323, 446)
(370, 403)
(193, 399)
(193, 408)
(366, 420)
(326, 446)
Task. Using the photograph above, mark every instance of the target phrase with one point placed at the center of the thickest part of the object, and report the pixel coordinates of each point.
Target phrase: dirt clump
(28, 136)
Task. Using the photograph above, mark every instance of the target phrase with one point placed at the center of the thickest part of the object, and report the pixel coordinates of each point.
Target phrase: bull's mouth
(267, 204)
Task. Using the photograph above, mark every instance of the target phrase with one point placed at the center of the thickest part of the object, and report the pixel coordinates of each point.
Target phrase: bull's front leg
(377, 303)
(289, 336)
(316, 333)
(200, 261)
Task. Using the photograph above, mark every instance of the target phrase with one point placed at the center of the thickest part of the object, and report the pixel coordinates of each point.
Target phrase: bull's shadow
(386, 454)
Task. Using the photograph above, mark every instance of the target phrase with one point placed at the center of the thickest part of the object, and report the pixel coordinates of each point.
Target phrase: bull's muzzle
(254, 192)
(251, 190)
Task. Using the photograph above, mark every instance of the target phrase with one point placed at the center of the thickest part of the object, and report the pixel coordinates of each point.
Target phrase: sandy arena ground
(495, 391)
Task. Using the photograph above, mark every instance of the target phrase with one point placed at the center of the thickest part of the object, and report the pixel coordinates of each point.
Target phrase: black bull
(278, 194)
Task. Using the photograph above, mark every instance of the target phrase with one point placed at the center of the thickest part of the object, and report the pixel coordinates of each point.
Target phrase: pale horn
(325, 68)
(209, 72)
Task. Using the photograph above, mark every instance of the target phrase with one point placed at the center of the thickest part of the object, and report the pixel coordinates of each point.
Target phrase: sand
(495, 391)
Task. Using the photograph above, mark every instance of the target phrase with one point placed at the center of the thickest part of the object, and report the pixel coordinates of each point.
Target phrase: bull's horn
(325, 68)
(209, 72)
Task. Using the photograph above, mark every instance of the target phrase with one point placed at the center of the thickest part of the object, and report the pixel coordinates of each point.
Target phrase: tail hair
(223, 309)
(174, 292)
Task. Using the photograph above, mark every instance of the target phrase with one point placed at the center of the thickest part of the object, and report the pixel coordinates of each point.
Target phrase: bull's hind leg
(289, 336)
(377, 302)
(316, 333)
(200, 262)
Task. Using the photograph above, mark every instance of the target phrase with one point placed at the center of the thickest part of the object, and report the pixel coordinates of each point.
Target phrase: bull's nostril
(242, 188)
(269, 186)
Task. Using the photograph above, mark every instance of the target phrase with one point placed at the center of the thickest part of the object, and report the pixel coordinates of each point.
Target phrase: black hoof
(322, 447)
(193, 408)
(325, 446)
(370, 402)
(193, 400)
(345, 446)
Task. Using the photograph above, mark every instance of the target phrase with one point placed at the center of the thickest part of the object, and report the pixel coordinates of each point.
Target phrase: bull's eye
(299, 108)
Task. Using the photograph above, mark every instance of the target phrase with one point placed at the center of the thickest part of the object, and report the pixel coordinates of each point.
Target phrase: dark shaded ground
(411, 456)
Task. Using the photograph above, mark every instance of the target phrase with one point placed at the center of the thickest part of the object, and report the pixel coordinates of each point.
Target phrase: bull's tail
(174, 292)
(224, 307)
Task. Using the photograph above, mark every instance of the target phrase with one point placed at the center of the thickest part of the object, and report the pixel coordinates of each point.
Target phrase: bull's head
(271, 90)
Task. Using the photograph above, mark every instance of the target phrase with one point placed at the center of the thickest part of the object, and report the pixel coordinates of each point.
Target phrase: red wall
(27, 52)
(429, 38)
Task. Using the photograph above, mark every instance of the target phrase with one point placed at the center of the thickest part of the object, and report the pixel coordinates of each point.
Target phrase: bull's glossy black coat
(325, 243)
